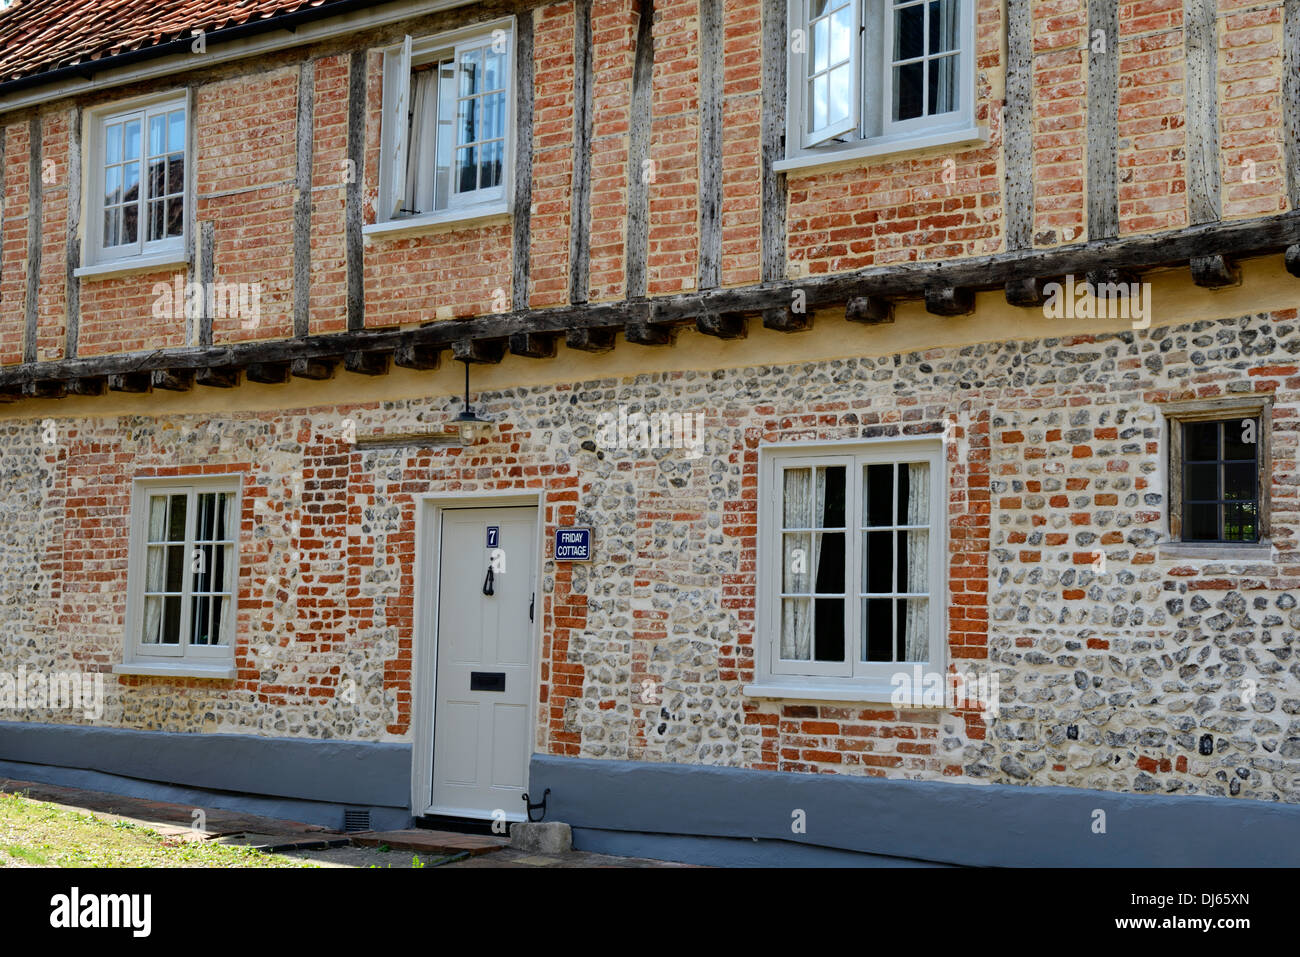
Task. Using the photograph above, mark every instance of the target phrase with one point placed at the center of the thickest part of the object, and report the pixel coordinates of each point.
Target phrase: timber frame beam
(1209, 251)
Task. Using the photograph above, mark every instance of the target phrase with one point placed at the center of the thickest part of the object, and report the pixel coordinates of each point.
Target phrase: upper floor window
(447, 136)
(138, 177)
(851, 562)
(866, 72)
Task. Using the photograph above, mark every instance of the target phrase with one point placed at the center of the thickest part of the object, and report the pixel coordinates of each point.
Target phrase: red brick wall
(1250, 109)
(330, 171)
(118, 314)
(613, 27)
(742, 145)
(1060, 129)
(13, 242)
(552, 154)
(51, 300)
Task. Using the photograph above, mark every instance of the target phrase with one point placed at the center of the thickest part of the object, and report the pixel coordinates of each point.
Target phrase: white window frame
(163, 251)
(874, 133)
(399, 59)
(851, 679)
(137, 652)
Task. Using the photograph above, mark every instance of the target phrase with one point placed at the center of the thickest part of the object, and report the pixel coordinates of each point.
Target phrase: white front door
(482, 718)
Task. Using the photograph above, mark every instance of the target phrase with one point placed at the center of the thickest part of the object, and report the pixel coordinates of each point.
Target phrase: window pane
(152, 629)
(466, 169)
(1241, 522)
(112, 185)
(878, 496)
(841, 89)
(1235, 435)
(467, 120)
(471, 72)
(176, 216)
(914, 493)
(908, 101)
(878, 563)
(490, 168)
(913, 562)
(878, 629)
(796, 629)
(1200, 441)
(171, 633)
(225, 502)
(943, 85)
(830, 563)
(156, 226)
(176, 563)
(113, 227)
(157, 135)
(176, 519)
(200, 620)
(157, 518)
(130, 224)
(913, 629)
(841, 22)
(1201, 523)
(821, 96)
(829, 620)
(909, 35)
(493, 116)
(155, 562)
(821, 41)
(113, 143)
(176, 173)
(1202, 483)
(943, 25)
(494, 77)
(218, 611)
(1238, 480)
(830, 497)
(132, 144)
(797, 511)
(176, 131)
(796, 575)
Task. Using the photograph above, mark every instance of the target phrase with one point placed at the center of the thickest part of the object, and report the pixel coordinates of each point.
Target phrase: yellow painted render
(1266, 287)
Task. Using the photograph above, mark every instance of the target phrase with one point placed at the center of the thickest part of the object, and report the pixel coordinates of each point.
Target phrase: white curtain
(917, 642)
(154, 578)
(796, 619)
(420, 179)
(943, 72)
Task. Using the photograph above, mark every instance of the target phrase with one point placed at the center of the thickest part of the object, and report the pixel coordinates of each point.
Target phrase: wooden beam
(44, 389)
(1018, 125)
(709, 182)
(173, 380)
(1102, 42)
(1293, 259)
(726, 325)
(484, 352)
(1291, 98)
(268, 373)
(217, 378)
(649, 334)
(1111, 275)
(89, 385)
(580, 158)
(772, 80)
(521, 208)
(317, 369)
(1026, 292)
(1214, 272)
(785, 319)
(417, 357)
(949, 300)
(533, 345)
(871, 310)
(590, 340)
(367, 363)
(130, 382)
(1200, 54)
(640, 167)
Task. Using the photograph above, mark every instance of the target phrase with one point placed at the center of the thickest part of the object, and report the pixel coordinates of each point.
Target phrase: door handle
(487, 582)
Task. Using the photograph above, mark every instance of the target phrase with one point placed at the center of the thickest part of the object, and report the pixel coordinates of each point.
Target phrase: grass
(47, 835)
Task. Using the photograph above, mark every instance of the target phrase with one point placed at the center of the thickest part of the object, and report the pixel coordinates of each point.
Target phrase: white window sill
(1216, 551)
(136, 264)
(822, 691)
(178, 670)
(470, 216)
(819, 157)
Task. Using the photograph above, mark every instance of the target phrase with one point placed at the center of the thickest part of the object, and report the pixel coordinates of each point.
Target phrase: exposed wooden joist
(533, 345)
(173, 380)
(1293, 259)
(717, 310)
(89, 385)
(1026, 292)
(590, 340)
(949, 300)
(268, 373)
(871, 310)
(726, 325)
(482, 351)
(649, 334)
(784, 319)
(1214, 272)
(423, 358)
(1111, 275)
(318, 369)
(217, 378)
(44, 389)
(1201, 48)
(1018, 126)
(367, 363)
(130, 382)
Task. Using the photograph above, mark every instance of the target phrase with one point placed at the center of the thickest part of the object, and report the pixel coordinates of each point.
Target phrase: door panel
(481, 739)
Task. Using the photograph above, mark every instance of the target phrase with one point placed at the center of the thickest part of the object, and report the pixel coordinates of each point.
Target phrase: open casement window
(447, 123)
(183, 572)
(852, 560)
(138, 176)
(879, 71)
(1219, 471)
